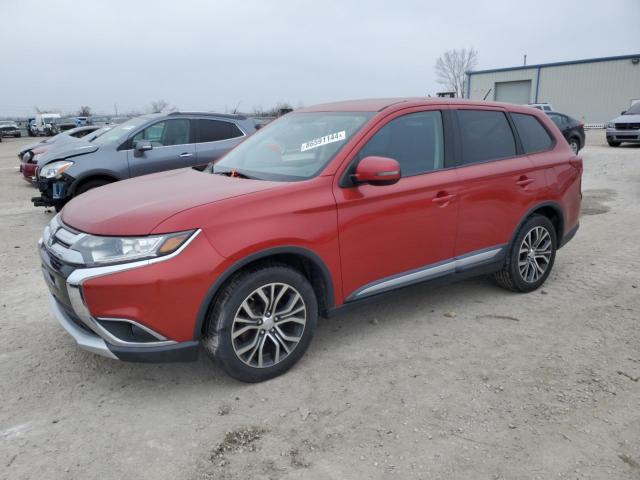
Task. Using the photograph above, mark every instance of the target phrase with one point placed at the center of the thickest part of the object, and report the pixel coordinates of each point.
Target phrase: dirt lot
(460, 382)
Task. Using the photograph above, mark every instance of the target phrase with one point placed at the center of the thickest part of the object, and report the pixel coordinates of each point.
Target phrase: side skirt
(472, 265)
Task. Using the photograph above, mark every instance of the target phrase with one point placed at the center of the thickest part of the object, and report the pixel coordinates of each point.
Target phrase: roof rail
(210, 114)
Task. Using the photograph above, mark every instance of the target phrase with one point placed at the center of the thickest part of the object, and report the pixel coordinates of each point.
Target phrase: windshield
(296, 147)
(634, 109)
(120, 132)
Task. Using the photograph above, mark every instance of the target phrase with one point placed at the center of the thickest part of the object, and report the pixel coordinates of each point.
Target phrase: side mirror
(377, 171)
(142, 146)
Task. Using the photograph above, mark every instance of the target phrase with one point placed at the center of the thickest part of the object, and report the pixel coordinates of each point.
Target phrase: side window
(557, 119)
(415, 141)
(485, 135)
(215, 130)
(533, 135)
(166, 133)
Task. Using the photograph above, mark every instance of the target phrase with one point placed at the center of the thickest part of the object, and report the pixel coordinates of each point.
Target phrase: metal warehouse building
(594, 90)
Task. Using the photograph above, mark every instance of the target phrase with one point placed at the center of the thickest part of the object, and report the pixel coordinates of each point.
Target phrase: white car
(545, 107)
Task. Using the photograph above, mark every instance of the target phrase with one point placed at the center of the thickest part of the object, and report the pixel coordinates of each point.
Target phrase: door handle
(442, 198)
(186, 155)
(523, 181)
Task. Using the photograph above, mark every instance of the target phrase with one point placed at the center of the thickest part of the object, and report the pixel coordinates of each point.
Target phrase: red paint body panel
(361, 234)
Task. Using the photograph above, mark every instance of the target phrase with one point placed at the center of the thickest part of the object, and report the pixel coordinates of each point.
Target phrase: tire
(519, 273)
(89, 185)
(574, 143)
(240, 357)
(613, 143)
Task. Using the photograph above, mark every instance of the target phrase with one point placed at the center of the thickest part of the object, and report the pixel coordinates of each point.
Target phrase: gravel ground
(460, 382)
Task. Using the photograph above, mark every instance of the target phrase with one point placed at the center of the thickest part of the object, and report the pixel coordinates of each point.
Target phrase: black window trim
(450, 149)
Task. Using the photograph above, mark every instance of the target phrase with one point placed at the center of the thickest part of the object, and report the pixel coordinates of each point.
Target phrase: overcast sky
(208, 55)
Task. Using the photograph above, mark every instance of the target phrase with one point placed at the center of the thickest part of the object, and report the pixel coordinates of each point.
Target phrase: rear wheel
(613, 143)
(262, 322)
(574, 143)
(531, 256)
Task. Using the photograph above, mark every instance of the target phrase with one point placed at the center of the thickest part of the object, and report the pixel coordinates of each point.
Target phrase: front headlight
(611, 125)
(106, 250)
(54, 169)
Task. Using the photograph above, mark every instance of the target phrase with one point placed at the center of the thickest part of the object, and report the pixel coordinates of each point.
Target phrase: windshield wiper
(234, 173)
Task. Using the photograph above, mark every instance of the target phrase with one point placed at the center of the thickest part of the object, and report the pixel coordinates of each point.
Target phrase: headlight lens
(611, 125)
(106, 250)
(54, 169)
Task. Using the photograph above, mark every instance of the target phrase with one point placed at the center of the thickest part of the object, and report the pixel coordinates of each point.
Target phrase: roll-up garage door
(514, 92)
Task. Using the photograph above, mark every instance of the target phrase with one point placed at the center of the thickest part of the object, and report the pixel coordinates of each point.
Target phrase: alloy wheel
(535, 254)
(268, 325)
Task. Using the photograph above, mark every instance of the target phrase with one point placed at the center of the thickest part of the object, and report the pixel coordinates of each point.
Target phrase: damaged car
(146, 144)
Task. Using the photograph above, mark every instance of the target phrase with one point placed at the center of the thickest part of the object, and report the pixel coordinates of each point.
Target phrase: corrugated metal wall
(594, 92)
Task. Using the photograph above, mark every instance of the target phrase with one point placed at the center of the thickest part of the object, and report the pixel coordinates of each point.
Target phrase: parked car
(545, 107)
(66, 123)
(625, 128)
(142, 145)
(30, 154)
(572, 129)
(9, 129)
(324, 208)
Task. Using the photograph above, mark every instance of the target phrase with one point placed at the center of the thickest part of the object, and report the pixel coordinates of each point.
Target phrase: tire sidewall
(224, 313)
(535, 221)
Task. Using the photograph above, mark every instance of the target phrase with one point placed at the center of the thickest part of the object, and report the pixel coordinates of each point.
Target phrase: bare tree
(85, 111)
(158, 106)
(452, 66)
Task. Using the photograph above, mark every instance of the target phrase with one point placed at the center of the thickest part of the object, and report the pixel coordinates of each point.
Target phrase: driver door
(173, 147)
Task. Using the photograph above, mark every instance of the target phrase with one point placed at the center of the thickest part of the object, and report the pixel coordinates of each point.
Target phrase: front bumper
(143, 311)
(54, 192)
(631, 135)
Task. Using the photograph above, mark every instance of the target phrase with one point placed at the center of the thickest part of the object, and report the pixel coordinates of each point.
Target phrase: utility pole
(525, 59)
(115, 105)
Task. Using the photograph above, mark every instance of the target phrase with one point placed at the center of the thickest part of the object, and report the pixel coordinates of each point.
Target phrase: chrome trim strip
(427, 273)
(65, 254)
(79, 275)
(93, 344)
(68, 237)
(80, 307)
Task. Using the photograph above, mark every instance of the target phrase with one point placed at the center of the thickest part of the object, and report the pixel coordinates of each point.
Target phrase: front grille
(55, 263)
(627, 126)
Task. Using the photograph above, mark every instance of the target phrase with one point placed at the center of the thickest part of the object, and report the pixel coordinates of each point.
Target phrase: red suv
(326, 207)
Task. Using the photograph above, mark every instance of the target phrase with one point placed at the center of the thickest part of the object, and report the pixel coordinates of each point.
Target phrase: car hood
(67, 149)
(138, 205)
(626, 119)
(31, 146)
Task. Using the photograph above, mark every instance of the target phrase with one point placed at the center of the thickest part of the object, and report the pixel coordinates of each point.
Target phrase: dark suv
(142, 145)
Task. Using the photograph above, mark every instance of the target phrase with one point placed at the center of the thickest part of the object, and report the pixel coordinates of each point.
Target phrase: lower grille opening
(128, 332)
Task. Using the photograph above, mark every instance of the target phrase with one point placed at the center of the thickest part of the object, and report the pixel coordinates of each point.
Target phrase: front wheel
(531, 256)
(262, 322)
(613, 143)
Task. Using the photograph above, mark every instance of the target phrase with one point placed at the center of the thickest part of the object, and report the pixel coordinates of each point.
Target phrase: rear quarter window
(216, 130)
(533, 135)
(485, 135)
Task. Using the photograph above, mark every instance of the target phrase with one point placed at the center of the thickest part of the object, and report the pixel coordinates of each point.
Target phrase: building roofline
(556, 64)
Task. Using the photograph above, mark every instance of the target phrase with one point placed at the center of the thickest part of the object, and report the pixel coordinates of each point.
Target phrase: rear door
(173, 147)
(498, 183)
(215, 138)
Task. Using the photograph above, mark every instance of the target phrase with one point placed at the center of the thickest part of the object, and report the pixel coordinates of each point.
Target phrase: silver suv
(625, 128)
(142, 145)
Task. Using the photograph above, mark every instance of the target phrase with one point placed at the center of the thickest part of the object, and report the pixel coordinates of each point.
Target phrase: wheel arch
(93, 176)
(302, 259)
(551, 210)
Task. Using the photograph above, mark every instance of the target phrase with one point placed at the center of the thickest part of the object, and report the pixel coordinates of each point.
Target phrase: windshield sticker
(318, 142)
